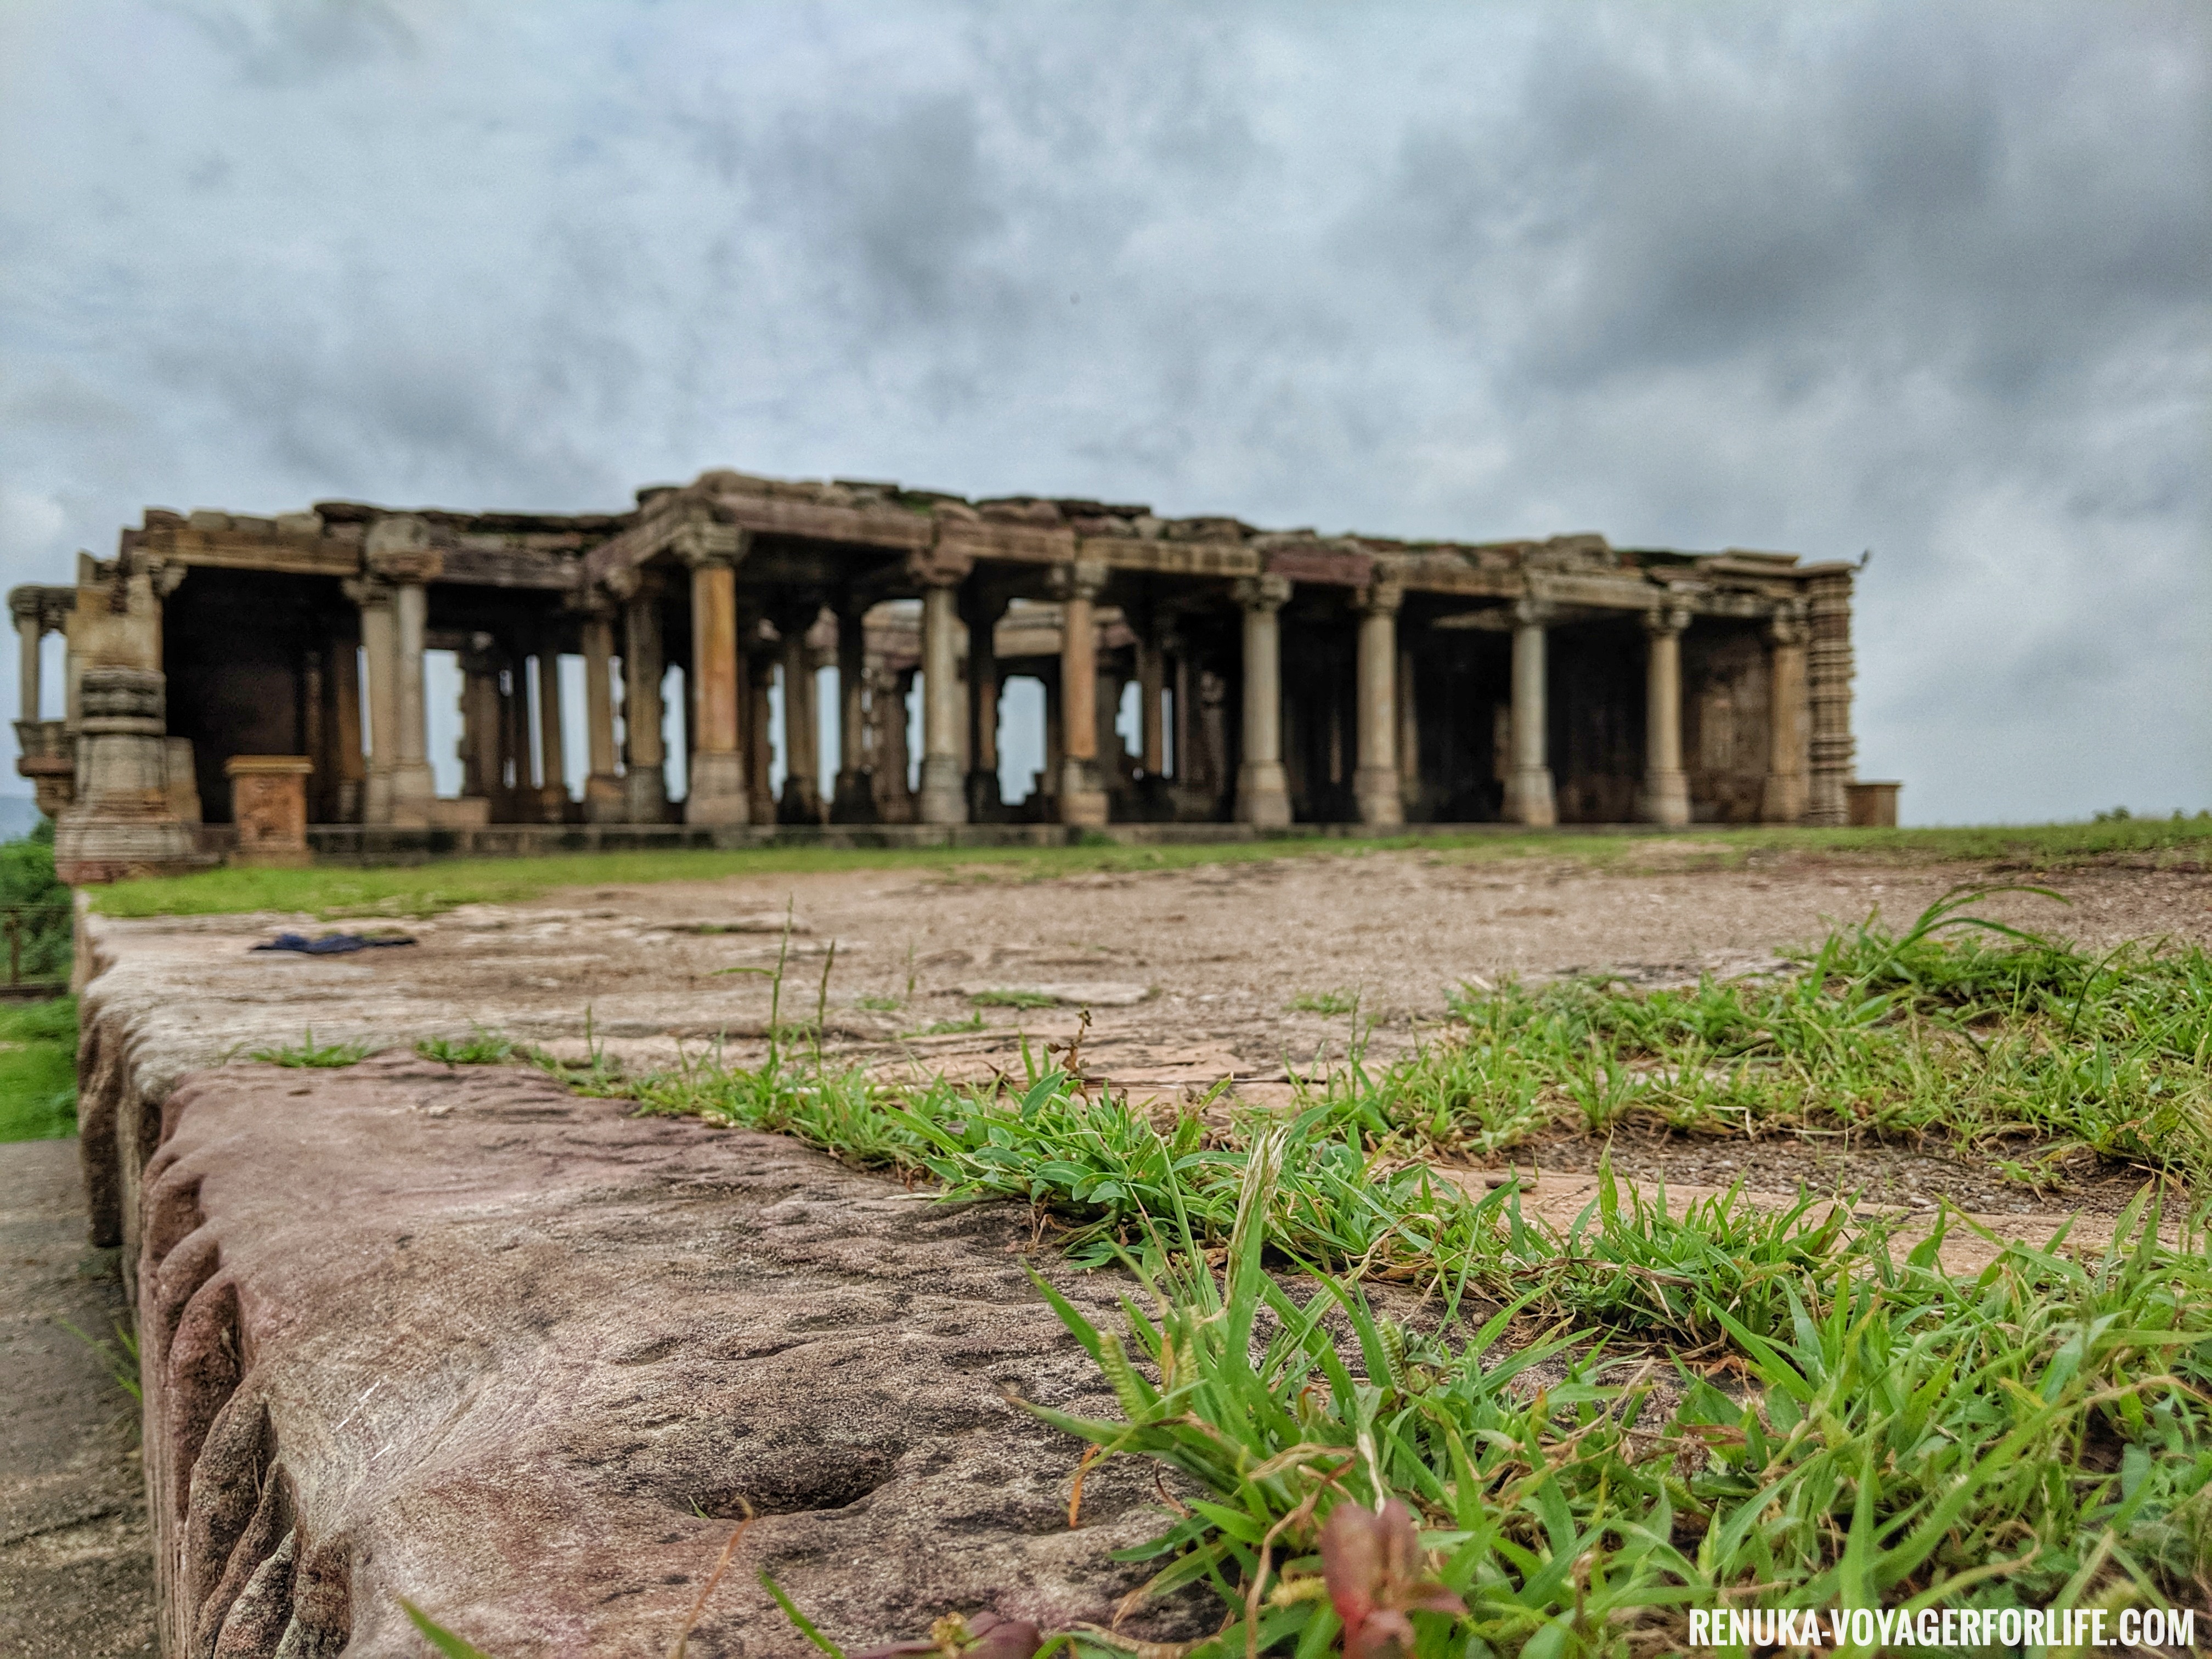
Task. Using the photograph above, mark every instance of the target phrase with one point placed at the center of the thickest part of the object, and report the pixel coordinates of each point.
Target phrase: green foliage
(309, 1052)
(2036, 1433)
(41, 905)
(1331, 1003)
(480, 1048)
(37, 1069)
(120, 1355)
(1013, 1000)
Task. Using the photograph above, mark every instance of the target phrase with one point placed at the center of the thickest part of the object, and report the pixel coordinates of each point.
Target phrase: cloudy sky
(1931, 279)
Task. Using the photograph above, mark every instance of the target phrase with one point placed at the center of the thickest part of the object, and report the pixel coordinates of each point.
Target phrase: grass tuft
(309, 1053)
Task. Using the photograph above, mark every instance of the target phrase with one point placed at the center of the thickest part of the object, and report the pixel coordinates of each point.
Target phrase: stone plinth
(1872, 805)
(269, 805)
(122, 821)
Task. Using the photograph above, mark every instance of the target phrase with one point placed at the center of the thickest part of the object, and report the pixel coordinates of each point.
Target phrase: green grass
(37, 1069)
(309, 1053)
(330, 891)
(1330, 1003)
(1013, 1000)
(479, 1048)
(1953, 1029)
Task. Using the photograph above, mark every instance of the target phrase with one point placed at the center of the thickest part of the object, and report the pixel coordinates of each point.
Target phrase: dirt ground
(75, 1578)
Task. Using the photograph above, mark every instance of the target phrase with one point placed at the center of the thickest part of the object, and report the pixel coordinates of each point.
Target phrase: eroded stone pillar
(760, 733)
(413, 787)
(944, 790)
(980, 611)
(1783, 796)
(30, 632)
(1263, 791)
(802, 762)
(1529, 798)
(379, 646)
(603, 784)
(1666, 786)
(1376, 785)
(1409, 734)
(717, 793)
(1828, 672)
(1152, 699)
(1082, 790)
(122, 822)
(552, 758)
(855, 800)
(645, 784)
(349, 765)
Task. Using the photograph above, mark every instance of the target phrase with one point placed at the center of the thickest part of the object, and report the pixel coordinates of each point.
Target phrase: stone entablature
(1282, 675)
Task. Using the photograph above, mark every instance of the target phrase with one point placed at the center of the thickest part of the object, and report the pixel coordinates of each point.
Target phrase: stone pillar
(121, 822)
(1783, 797)
(1263, 791)
(855, 800)
(379, 643)
(349, 768)
(760, 733)
(943, 792)
(981, 611)
(718, 792)
(552, 756)
(1376, 784)
(802, 762)
(644, 786)
(1082, 789)
(1528, 786)
(1409, 735)
(1049, 782)
(413, 788)
(603, 784)
(1666, 788)
(1828, 672)
(1152, 712)
(30, 631)
(893, 753)
(481, 715)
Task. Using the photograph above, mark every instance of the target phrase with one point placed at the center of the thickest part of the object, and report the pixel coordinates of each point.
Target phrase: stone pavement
(76, 1570)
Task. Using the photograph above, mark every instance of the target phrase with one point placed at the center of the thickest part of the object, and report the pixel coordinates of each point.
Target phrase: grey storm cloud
(1933, 279)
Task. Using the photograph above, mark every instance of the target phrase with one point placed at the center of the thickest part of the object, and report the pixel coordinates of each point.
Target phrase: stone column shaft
(1783, 796)
(1263, 791)
(603, 784)
(27, 629)
(717, 791)
(645, 785)
(802, 790)
(981, 613)
(413, 788)
(943, 792)
(1665, 788)
(1529, 798)
(380, 644)
(1152, 713)
(1376, 784)
(760, 734)
(1081, 791)
(855, 800)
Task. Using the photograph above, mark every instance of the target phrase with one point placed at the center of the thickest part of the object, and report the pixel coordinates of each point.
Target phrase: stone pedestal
(1872, 805)
(269, 805)
(122, 822)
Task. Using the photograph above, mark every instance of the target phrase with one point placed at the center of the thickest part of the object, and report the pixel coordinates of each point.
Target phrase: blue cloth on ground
(329, 945)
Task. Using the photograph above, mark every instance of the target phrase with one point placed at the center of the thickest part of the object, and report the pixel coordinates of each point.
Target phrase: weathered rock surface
(456, 1336)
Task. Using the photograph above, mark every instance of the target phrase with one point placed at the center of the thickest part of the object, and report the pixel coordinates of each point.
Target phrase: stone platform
(459, 1336)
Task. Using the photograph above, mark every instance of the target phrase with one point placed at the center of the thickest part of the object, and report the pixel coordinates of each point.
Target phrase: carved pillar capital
(1083, 579)
(1380, 598)
(1666, 619)
(1269, 593)
(704, 541)
(367, 591)
(1533, 611)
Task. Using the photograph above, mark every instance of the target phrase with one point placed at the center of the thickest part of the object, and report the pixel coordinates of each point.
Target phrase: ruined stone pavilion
(1285, 678)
